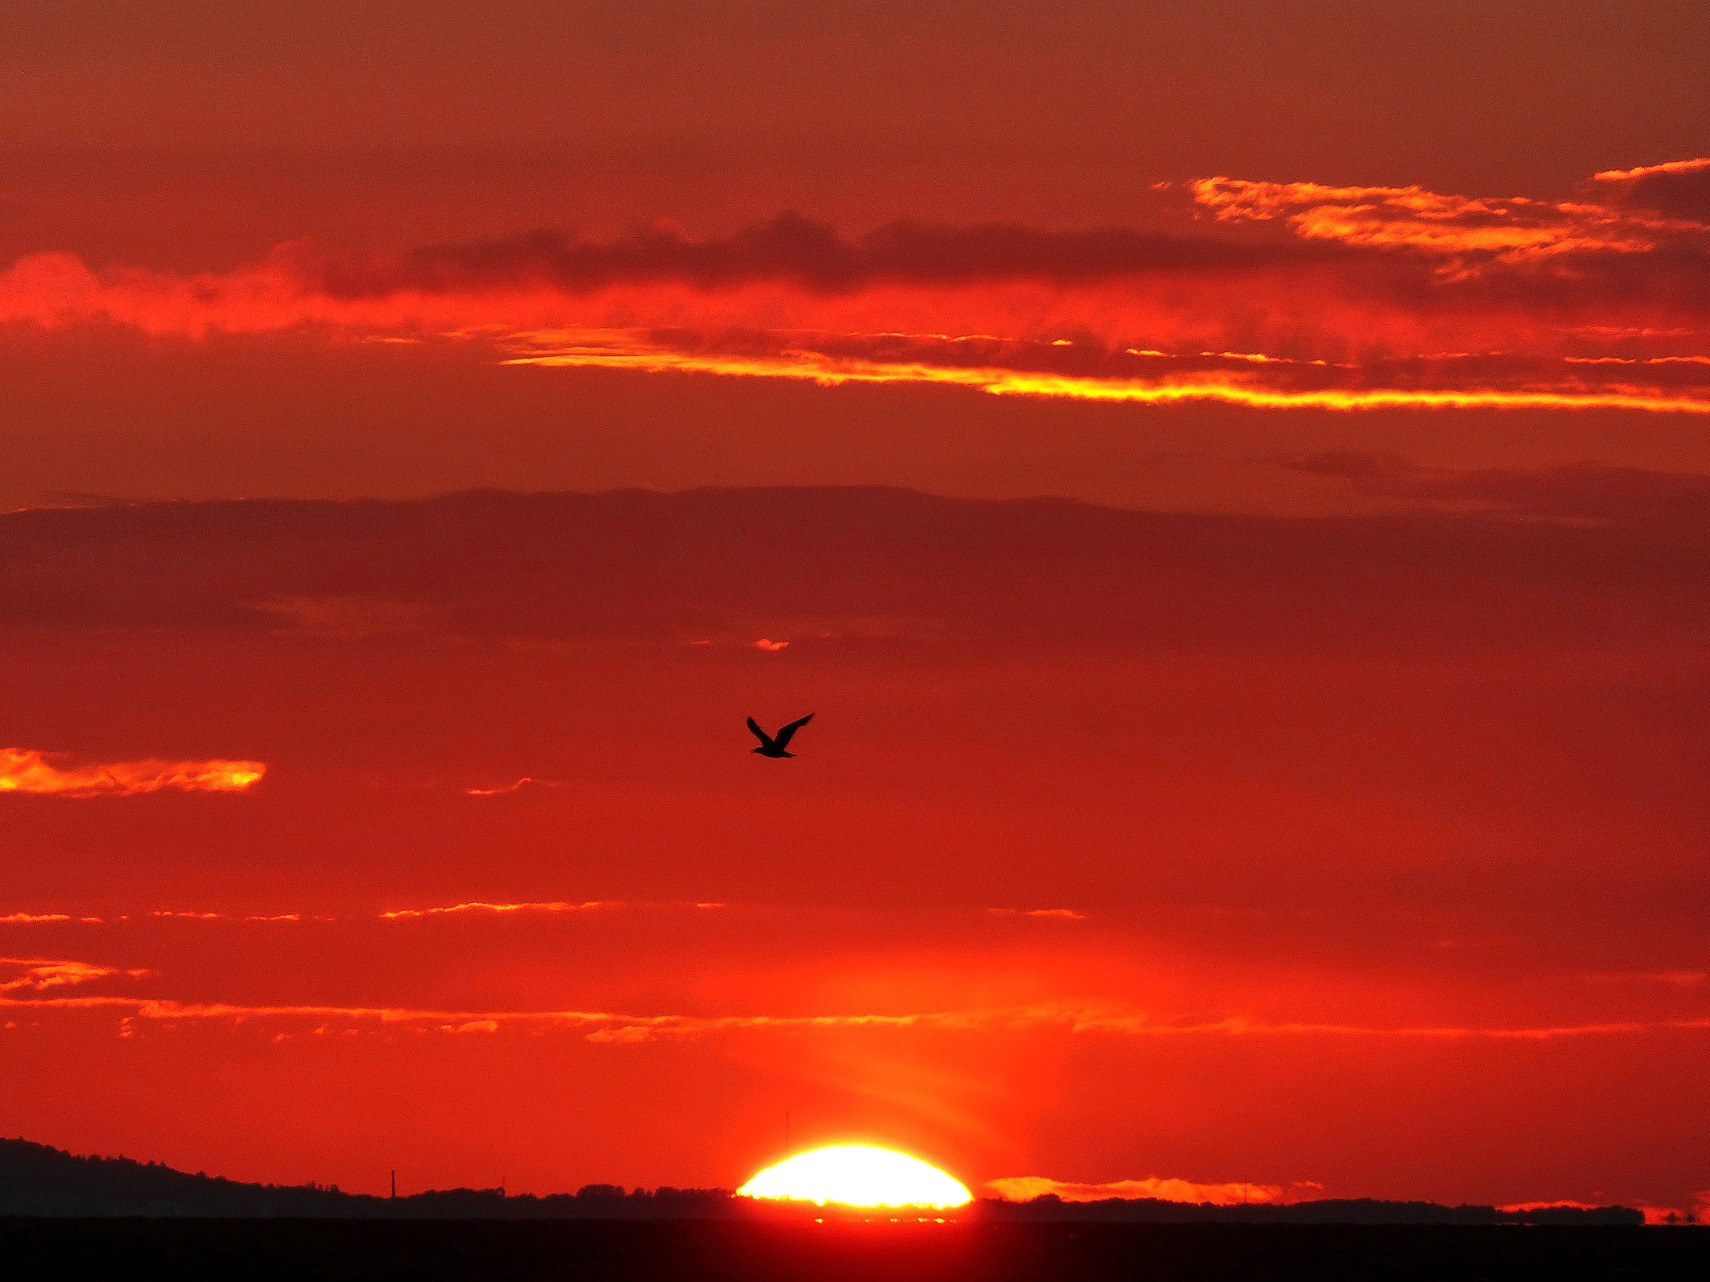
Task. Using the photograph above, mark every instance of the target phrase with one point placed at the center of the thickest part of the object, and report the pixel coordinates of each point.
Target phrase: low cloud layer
(1582, 557)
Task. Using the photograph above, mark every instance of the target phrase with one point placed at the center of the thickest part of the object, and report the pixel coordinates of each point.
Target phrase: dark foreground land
(719, 1250)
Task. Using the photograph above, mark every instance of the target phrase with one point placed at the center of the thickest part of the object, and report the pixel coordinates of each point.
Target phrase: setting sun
(858, 1175)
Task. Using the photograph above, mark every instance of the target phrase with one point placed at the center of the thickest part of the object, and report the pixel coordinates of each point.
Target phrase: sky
(1231, 482)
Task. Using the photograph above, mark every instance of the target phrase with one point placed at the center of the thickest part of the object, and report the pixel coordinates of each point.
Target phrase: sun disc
(857, 1175)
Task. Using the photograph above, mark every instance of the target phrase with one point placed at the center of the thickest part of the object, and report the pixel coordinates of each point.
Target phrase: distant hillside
(36, 1180)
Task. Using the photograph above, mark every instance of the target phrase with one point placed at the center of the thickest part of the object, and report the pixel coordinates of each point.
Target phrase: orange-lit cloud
(1046, 914)
(802, 363)
(472, 1026)
(1696, 165)
(552, 906)
(23, 770)
(524, 784)
(1024, 1188)
(1281, 295)
(473, 908)
(38, 973)
(1415, 218)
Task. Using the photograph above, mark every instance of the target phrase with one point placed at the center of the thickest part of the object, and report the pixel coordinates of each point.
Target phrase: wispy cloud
(24, 770)
(479, 906)
(39, 973)
(1515, 228)
(1697, 165)
(831, 361)
(1047, 914)
(1678, 187)
(525, 784)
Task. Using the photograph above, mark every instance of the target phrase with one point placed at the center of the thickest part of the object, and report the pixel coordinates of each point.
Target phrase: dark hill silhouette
(37, 1180)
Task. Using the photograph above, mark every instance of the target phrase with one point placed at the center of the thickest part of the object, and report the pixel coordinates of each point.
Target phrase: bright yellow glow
(830, 371)
(857, 1175)
(26, 770)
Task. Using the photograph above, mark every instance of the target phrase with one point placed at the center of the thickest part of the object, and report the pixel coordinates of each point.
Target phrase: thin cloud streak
(477, 906)
(1514, 229)
(524, 784)
(1698, 164)
(473, 907)
(801, 365)
(622, 1028)
(38, 973)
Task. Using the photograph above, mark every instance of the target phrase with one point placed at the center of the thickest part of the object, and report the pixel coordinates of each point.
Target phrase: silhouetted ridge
(37, 1180)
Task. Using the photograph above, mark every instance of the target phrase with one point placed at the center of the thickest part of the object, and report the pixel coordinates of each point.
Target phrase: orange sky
(1234, 494)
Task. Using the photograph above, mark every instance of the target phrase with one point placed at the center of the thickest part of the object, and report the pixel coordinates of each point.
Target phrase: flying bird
(776, 745)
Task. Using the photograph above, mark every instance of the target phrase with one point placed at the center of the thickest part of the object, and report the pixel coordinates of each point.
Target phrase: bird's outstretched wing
(785, 734)
(765, 739)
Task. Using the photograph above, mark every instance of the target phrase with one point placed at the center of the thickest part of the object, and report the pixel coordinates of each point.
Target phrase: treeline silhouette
(38, 1180)
(1325, 1211)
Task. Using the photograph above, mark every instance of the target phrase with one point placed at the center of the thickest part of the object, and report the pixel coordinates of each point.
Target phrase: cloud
(1547, 382)
(1268, 295)
(1579, 494)
(1048, 914)
(1452, 568)
(553, 906)
(473, 908)
(1514, 229)
(525, 784)
(787, 249)
(1677, 187)
(24, 770)
(36, 974)
(1024, 1188)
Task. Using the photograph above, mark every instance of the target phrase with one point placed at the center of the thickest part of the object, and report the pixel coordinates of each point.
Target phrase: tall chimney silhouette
(394, 1184)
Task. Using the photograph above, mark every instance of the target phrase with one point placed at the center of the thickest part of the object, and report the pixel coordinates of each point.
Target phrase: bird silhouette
(776, 745)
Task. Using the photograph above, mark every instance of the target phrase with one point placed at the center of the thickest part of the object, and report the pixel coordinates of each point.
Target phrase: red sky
(1233, 488)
